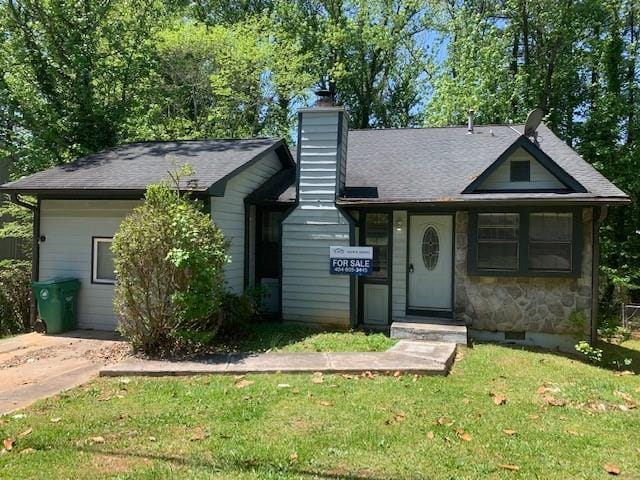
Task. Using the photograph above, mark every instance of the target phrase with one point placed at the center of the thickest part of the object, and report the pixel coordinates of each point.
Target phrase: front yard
(502, 413)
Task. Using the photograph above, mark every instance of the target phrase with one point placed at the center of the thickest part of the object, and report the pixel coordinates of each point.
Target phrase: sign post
(346, 260)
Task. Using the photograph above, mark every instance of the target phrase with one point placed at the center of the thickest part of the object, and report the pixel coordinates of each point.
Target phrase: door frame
(426, 312)
(362, 221)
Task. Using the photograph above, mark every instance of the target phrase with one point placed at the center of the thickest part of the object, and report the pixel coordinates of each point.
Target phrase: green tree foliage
(169, 259)
(373, 50)
(221, 81)
(81, 76)
(579, 61)
(71, 70)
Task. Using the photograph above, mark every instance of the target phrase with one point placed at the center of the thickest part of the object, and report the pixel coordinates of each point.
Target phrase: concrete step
(431, 332)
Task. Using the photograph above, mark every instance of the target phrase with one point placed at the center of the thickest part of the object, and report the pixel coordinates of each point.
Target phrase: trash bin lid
(55, 281)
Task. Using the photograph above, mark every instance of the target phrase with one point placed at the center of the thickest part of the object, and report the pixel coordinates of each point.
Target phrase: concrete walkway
(426, 358)
(35, 366)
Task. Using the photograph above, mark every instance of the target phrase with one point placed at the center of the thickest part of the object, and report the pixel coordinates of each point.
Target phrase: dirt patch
(113, 353)
(32, 356)
(110, 353)
(111, 464)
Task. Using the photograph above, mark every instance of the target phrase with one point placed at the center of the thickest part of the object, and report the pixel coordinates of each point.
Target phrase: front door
(430, 263)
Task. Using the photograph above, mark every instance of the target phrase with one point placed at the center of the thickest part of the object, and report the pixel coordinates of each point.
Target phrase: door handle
(411, 268)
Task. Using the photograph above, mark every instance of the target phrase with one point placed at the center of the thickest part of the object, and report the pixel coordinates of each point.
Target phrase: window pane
(498, 226)
(520, 171)
(498, 241)
(377, 236)
(550, 241)
(550, 256)
(498, 256)
(550, 227)
(271, 226)
(104, 261)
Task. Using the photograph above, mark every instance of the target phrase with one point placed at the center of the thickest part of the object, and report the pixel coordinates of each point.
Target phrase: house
(483, 225)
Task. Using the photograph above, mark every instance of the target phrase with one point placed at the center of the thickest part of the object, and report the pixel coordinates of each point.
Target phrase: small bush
(169, 259)
(239, 312)
(15, 295)
(611, 330)
(593, 354)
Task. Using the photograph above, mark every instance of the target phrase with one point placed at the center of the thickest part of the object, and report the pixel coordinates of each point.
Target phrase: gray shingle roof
(437, 164)
(132, 167)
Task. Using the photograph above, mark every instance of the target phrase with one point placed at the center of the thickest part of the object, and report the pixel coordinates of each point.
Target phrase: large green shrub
(15, 294)
(169, 259)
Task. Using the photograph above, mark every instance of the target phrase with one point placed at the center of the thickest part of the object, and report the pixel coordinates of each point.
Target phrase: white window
(102, 270)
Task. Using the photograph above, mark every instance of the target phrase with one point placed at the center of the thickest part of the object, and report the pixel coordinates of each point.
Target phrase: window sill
(528, 274)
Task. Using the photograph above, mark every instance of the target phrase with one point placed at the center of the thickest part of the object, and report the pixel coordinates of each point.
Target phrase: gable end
(566, 183)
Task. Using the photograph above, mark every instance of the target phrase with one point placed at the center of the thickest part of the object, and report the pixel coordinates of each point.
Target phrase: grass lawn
(502, 413)
(279, 337)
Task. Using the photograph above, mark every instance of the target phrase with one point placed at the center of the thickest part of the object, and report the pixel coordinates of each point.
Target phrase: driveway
(34, 366)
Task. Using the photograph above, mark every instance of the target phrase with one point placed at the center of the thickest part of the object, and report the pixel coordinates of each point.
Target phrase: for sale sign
(350, 260)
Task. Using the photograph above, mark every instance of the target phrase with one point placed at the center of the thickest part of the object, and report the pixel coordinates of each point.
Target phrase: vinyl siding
(228, 214)
(309, 292)
(399, 265)
(541, 178)
(342, 174)
(69, 226)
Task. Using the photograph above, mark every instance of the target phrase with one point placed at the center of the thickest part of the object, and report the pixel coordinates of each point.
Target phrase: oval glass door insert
(430, 248)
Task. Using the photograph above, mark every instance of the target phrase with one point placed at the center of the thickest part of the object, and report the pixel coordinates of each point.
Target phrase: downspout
(595, 274)
(35, 251)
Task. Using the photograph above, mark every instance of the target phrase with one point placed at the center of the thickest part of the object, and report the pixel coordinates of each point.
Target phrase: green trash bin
(57, 303)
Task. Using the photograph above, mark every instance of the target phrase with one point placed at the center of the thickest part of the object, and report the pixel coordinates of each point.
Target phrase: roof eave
(218, 188)
(88, 193)
(402, 202)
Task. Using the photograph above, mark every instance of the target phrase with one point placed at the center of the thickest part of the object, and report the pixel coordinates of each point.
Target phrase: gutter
(595, 274)
(442, 202)
(35, 253)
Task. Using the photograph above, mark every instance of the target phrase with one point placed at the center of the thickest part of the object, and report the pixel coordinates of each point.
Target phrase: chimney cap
(326, 93)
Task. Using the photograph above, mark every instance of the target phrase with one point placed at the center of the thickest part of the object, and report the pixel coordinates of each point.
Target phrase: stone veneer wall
(531, 304)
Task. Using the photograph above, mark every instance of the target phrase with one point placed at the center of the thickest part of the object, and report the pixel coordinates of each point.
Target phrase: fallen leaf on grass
(397, 418)
(444, 421)
(324, 403)
(464, 436)
(623, 373)
(508, 431)
(317, 378)
(612, 469)
(573, 432)
(293, 457)
(55, 420)
(542, 389)
(499, 399)
(430, 435)
(98, 439)
(397, 373)
(198, 435)
(509, 466)
(26, 432)
(283, 385)
(152, 439)
(553, 401)
(400, 417)
(8, 444)
(534, 417)
(27, 450)
(243, 383)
